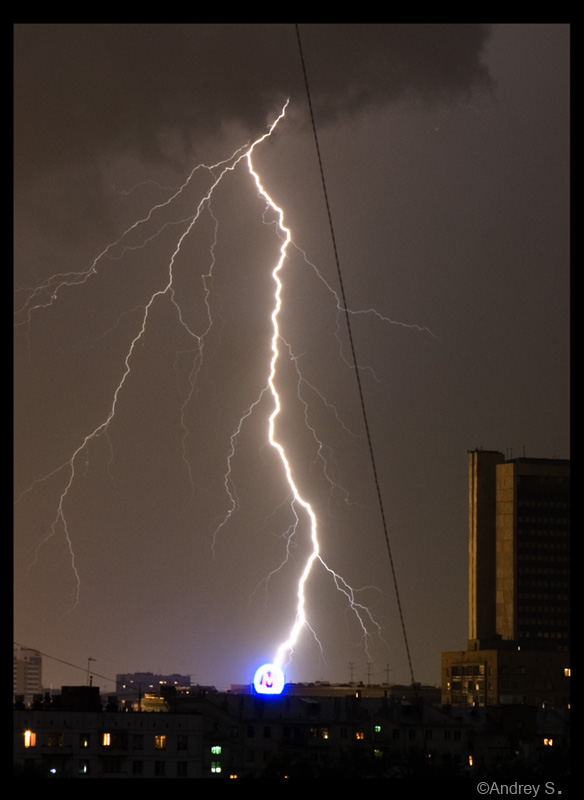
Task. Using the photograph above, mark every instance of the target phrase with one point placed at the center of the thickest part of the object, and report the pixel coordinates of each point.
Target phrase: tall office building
(519, 584)
(519, 550)
(482, 516)
(27, 673)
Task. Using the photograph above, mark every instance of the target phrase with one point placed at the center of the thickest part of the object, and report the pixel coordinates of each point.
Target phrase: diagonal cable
(353, 353)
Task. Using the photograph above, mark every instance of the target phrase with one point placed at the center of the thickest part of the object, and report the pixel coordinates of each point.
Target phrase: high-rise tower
(27, 673)
(519, 584)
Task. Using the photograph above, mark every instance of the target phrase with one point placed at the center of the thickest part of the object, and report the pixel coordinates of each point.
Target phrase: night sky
(445, 150)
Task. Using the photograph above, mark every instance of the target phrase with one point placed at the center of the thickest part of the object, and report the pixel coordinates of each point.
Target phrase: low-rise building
(227, 735)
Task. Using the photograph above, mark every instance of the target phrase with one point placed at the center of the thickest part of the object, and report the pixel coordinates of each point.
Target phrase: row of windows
(545, 528)
(468, 669)
(528, 552)
(543, 623)
(298, 732)
(396, 734)
(543, 597)
(556, 531)
(475, 685)
(115, 766)
(553, 531)
(58, 740)
(108, 739)
(546, 504)
(119, 740)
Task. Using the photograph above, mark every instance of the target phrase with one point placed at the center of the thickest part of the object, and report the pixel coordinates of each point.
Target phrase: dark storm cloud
(127, 86)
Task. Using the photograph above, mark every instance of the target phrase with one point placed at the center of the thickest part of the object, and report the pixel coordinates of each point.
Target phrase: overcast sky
(143, 333)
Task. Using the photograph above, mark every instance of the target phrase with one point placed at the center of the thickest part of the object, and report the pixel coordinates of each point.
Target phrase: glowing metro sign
(269, 679)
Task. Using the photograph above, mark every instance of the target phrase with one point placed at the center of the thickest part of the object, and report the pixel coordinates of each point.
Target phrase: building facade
(228, 736)
(533, 552)
(102, 744)
(506, 675)
(518, 650)
(27, 674)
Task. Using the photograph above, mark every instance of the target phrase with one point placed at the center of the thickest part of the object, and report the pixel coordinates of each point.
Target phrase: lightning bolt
(46, 294)
(285, 649)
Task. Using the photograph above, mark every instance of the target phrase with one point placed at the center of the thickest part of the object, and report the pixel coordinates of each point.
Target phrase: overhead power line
(353, 353)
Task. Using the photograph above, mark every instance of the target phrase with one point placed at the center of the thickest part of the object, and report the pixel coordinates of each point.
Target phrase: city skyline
(449, 198)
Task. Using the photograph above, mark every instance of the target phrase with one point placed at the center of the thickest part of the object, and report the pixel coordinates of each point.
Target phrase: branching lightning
(285, 649)
(46, 295)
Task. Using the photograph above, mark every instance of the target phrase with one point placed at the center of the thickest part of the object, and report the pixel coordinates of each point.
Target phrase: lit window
(359, 734)
(29, 739)
(567, 672)
(216, 750)
(470, 761)
(378, 729)
(106, 739)
(215, 766)
(160, 741)
(548, 742)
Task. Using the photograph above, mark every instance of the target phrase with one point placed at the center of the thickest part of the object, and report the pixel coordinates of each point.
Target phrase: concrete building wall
(506, 676)
(533, 552)
(506, 550)
(481, 555)
(75, 744)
